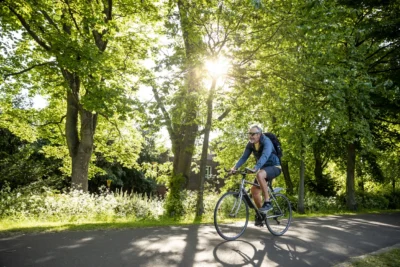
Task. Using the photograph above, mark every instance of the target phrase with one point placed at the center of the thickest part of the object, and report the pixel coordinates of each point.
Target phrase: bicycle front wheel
(279, 218)
(231, 216)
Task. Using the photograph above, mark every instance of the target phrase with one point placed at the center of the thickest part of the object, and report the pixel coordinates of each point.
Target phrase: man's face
(254, 135)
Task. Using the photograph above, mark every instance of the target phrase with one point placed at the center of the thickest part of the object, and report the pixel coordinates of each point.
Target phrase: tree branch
(380, 71)
(223, 115)
(28, 69)
(49, 123)
(164, 112)
(380, 49)
(72, 16)
(380, 59)
(30, 31)
(220, 118)
(50, 20)
(250, 57)
(108, 11)
(112, 123)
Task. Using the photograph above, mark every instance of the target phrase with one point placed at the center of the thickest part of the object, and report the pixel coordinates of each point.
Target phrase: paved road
(324, 241)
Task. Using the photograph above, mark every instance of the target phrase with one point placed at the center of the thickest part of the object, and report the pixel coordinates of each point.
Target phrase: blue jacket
(265, 156)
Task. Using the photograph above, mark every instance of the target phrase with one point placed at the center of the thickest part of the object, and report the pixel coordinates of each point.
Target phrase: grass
(42, 209)
(11, 226)
(343, 212)
(35, 225)
(388, 258)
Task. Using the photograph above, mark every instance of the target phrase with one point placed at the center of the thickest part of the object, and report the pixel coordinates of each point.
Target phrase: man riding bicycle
(267, 167)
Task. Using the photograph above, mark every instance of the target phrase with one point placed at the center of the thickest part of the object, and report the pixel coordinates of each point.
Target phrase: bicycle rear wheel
(279, 218)
(231, 216)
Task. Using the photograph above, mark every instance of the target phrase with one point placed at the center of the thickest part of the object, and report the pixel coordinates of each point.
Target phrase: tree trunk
(318, 170)
(286, 175)
(350, 189)
(284, 166)
(204, 152)
(359, 173)
(80, 149)
(300, 204)
(185, 127)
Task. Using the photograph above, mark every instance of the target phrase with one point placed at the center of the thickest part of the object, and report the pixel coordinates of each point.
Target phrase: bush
(188, 202)
(37, 202)
(45, 204)
(369, 200)
(394, 200)
(316, 203)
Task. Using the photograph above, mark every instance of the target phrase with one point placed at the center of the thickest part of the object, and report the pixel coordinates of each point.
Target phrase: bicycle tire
(231, 216)
(279, 218)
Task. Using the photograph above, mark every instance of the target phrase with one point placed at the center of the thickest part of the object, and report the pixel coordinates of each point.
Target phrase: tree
(81, 52)
(199, 32)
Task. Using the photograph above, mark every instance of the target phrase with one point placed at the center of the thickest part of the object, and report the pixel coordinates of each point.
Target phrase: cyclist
(267, 167)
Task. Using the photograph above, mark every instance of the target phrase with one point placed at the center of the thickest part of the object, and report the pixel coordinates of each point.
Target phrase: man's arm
(244, 157)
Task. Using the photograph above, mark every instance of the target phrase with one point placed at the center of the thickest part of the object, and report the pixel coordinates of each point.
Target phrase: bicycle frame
(244, 195)
(231, 213)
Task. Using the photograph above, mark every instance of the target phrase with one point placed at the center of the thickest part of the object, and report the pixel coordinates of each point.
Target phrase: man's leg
(262, 181)
(256, 193)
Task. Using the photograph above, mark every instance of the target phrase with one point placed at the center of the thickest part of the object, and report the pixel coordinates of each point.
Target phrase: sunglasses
(252, 134)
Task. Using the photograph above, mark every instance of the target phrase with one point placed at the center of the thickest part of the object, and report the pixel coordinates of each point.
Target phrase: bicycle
(231, 214)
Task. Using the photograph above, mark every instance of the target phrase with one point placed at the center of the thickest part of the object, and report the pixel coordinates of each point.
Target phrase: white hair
(257, 127)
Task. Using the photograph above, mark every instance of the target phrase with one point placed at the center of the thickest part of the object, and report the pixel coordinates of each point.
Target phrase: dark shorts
(272, 172)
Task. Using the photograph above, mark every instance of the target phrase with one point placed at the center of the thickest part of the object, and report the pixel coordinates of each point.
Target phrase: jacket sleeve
(266, 153)
(244, 157)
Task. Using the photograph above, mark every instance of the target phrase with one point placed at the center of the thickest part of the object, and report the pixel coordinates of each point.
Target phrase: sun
(217, 67)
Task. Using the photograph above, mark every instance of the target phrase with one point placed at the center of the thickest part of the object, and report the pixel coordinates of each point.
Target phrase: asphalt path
(324, 241)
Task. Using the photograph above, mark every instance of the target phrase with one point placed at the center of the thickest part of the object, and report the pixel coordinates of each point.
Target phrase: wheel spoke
(231, 216)
(279, 218)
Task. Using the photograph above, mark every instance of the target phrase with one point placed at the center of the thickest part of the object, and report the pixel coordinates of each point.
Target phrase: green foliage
(394, 200)
(320, 74)
(82, 57)
(22, 163)
(140, 178)
(124, 179)
(316, 203)
(368, 200)
(175, 197)
(324, 187)
(41, 203)
(45, 204)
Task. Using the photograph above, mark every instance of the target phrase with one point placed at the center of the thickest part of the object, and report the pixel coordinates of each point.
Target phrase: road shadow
(281, 250)
(324, 241)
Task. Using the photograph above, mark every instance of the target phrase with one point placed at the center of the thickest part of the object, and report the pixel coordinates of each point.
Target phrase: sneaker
(265, 208)
(259, 221)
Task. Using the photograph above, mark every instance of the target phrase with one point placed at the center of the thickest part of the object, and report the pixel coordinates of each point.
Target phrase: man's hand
(232, 171)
